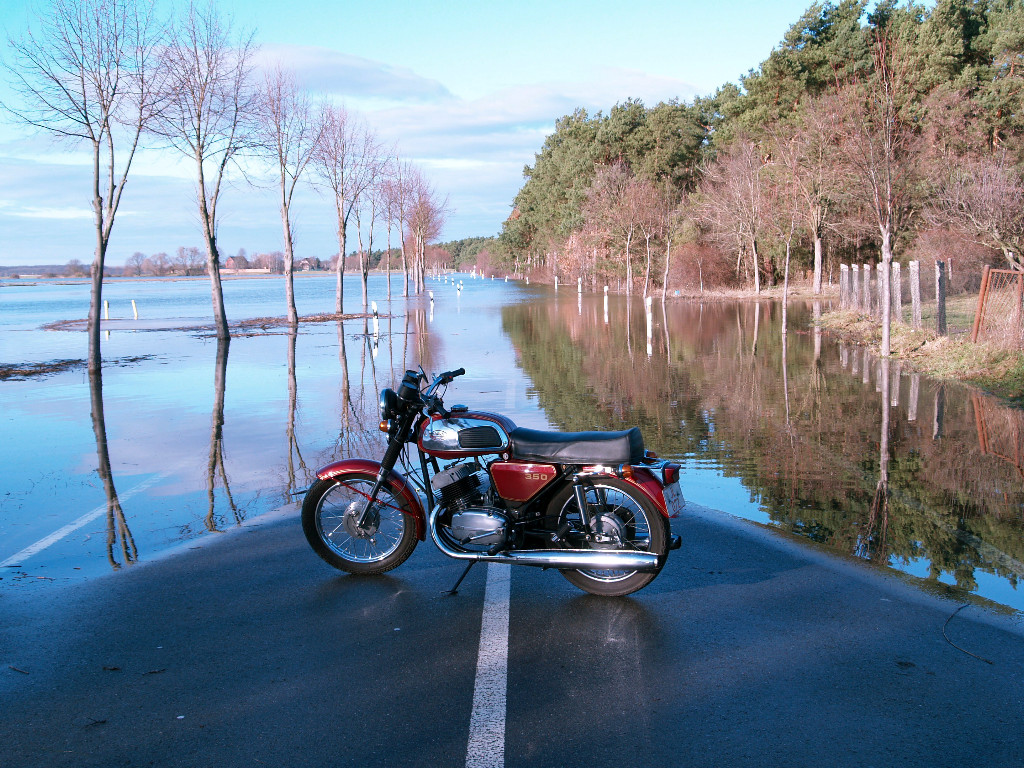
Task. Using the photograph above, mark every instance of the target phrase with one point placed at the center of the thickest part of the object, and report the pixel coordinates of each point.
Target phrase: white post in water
(135, 310)
(650, 325)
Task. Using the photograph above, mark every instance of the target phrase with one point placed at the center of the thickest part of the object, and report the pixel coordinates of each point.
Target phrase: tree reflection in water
(293, 443)
(215, 466)
(825, 451)
(120, 543)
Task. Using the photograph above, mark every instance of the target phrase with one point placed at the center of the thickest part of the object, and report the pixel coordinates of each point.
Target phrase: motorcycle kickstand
(455, 590)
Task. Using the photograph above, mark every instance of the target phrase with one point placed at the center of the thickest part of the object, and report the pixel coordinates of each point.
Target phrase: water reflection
(121, 548)
(215, 466)
(294, 451)
(826, 438)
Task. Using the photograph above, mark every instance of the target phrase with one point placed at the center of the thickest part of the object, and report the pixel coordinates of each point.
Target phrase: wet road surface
(752, 650)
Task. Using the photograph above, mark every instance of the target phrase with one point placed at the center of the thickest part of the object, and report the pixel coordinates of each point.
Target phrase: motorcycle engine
(461, 491)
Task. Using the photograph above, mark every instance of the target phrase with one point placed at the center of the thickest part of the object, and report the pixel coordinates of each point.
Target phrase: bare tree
(289, 135)
(880, 146)
(786, 204)
(346, 160)
(734, 200)
(644, 201)
(133, 264)
(401, 194)
(189, 260)
(613, 205)
(808, 153)
(157, 264)
(983, 198)
(368, 206)
(209, 117)
(389, 199)
(425, 219)
(88, 74)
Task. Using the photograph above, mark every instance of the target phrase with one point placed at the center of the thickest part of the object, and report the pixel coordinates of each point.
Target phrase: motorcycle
(593, 505)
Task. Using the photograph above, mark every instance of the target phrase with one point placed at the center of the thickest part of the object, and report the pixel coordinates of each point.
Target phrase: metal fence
(999, 318)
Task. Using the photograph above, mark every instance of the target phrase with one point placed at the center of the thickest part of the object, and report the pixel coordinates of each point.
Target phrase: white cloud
(332, 72)
(32, 212)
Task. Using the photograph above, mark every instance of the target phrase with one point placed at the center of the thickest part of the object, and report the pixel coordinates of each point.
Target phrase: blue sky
(467, 90)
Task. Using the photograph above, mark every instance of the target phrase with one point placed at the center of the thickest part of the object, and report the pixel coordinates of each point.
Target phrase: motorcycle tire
(636, 521)
(330, 515)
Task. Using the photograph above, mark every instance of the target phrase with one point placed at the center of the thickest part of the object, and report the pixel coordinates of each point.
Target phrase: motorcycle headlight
(388, 404)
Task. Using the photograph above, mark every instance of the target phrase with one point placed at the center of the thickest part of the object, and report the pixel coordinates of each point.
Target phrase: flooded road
(182, 437)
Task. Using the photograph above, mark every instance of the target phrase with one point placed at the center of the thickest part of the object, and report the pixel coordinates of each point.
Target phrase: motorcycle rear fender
(398, 483)
(645, 482)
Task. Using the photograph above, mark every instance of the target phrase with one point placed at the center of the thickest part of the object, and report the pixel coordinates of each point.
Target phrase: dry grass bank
(995, 369)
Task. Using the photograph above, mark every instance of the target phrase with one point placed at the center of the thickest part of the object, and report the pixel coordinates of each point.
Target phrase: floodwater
(182, 437)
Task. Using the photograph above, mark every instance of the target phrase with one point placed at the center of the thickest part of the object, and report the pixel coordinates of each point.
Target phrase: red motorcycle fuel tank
(465, 433)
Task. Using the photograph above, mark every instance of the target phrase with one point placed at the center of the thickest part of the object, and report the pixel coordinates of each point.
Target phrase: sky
(466, 90)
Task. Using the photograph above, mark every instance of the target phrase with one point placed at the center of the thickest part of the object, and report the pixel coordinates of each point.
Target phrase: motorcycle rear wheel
(330, 514)
(630, 518)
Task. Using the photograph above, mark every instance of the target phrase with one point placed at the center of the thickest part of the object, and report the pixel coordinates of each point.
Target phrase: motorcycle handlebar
(449, 375)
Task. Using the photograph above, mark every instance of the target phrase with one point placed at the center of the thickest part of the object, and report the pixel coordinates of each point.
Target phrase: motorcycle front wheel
(330, 519)
(621, 518)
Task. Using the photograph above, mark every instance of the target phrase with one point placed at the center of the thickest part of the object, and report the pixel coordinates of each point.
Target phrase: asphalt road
(748, 650)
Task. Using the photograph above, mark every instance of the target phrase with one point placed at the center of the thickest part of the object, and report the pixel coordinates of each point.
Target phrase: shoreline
(954, 357)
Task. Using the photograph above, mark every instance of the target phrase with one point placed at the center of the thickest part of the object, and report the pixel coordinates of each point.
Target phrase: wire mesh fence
(1000, 319)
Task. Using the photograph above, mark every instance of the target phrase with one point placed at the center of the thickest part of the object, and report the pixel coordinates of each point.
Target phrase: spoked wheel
(330, 520)
(621, 518)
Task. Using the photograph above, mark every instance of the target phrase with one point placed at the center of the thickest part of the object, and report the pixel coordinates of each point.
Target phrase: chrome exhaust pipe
(588, 559)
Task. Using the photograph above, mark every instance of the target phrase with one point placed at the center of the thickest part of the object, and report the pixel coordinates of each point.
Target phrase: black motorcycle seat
(578, 447)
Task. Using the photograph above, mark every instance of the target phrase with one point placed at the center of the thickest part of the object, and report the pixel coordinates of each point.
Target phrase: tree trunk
(647, 271)
(629, 264)
(757, 266)
(883, 293)
(339, 268)
(289, 261)
(668, 256)
(96, 273)
(95, 301)
(785, 297)
(817, 262)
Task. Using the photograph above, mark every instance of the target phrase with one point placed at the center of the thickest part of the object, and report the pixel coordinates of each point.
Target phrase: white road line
(60, 533)
(487, 723)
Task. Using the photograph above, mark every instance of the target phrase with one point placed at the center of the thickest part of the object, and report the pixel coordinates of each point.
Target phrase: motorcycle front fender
(397, 482)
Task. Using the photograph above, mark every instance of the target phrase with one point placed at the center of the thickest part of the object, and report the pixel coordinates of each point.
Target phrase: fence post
(940, 297)
(981, 303)
(865, 294)
(897, 292)
(915, 293)
(855, 295)
(1020, 309)
(844, 286)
